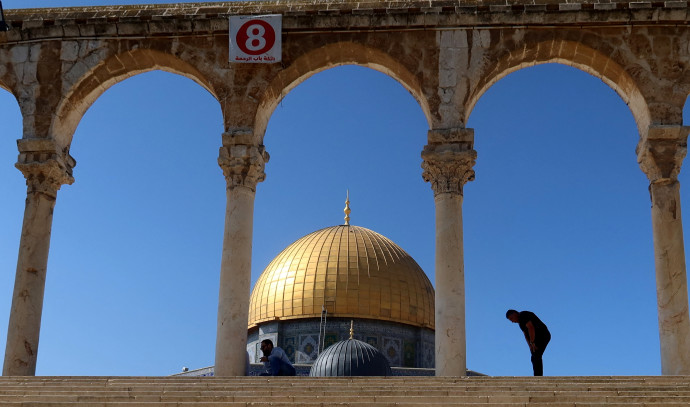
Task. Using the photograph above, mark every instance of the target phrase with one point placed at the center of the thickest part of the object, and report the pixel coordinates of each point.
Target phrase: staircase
(647, 391)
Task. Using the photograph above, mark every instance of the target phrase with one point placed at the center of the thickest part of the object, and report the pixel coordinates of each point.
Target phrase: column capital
(448, 160)
(661, 151)
(242, 162)
(45, 166)
(460, 135)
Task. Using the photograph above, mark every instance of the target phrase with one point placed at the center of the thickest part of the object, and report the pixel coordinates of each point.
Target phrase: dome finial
(347, 209)
(352, 329)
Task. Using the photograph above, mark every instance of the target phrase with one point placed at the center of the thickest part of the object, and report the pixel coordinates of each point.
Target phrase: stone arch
(14, 187)
(574, 54)
(110, 71)
(22, 106)
(10, 117)
(330, 56)
(5, 87)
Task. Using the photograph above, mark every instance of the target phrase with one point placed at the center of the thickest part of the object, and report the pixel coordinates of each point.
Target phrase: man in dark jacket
(275, 360)
(536, 334)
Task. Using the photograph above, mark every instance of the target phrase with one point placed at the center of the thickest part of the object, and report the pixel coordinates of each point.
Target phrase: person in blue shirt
(536, 334)
(275, 360)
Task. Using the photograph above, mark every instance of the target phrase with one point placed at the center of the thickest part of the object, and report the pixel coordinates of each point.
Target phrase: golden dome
(352, 271)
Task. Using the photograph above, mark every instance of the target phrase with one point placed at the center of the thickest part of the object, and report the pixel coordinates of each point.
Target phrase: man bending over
(537, 336)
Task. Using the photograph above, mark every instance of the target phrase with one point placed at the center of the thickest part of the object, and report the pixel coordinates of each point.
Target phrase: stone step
(336, 386)
(352, 380)
(276, 382)
(331, 392)
(335, 390)
(357, 380)
(376, 392)
(342, 404)
(497, 398)
(309, 386)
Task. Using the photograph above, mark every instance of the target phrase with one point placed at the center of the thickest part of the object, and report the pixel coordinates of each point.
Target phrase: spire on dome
(347, 209)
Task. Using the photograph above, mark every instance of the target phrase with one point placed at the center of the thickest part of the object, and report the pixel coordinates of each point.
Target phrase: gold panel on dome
(353, 271)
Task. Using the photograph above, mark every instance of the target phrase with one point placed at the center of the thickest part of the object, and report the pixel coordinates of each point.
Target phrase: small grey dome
(351, 358)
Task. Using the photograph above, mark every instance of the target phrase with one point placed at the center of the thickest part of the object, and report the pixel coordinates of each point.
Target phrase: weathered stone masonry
(57, 62)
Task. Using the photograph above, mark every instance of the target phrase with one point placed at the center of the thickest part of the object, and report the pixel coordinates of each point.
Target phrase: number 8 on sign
(256, 37)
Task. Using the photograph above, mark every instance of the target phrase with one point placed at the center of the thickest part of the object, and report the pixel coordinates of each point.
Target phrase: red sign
(255, 39)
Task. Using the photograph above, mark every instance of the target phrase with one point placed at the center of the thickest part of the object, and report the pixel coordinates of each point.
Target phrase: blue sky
(557, 221)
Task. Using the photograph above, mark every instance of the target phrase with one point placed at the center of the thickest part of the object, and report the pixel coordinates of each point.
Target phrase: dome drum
(402, 345)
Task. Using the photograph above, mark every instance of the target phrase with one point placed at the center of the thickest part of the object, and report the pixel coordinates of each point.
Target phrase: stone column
(660, 155)
(448, 161)
(243, 166)
(45, 171)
